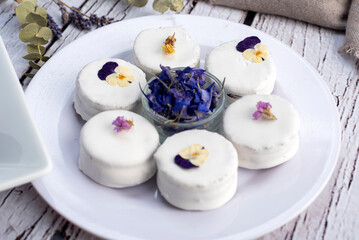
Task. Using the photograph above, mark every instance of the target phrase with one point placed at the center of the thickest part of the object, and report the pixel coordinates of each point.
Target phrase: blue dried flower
(181, 95)
(247, 43)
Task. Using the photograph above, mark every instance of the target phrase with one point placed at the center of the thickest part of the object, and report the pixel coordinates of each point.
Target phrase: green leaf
(38, 40)
(32, 1)
(34, 65)
(45, 33)
(42, 12)
(30, 75)
(32, 48)
(45, 58)
(176, 5)
(138, 3)
(36, 18)
(24, 25)
(28, 32)
(160, 6)
(23, 9)
(32, 56)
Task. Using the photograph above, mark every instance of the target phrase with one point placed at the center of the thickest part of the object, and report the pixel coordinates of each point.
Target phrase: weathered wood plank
(333, 214)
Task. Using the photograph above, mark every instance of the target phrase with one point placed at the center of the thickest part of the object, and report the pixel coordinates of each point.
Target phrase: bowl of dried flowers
(180, 99)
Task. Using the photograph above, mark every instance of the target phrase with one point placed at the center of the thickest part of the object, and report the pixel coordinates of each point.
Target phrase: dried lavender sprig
(100, 21)
(56, 31)
(80, 20)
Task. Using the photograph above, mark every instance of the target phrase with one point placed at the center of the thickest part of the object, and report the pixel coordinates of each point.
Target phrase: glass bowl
(165, 129)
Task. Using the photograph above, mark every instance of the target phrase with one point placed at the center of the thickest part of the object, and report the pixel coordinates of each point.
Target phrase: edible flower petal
(122, 124)
(196, 154)
(247, 43)
(183, 163)
(258, 54)
(120, 77)
(264, 110)
(107, 69)
(169, 46)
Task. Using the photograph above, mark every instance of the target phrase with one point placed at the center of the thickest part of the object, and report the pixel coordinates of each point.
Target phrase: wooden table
(333, 215)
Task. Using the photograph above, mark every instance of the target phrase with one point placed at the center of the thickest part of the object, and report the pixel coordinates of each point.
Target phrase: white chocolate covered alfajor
(116, 149)
(247, 67)
(197, 170)
(264, 129)
(167, 46)
(108, 84)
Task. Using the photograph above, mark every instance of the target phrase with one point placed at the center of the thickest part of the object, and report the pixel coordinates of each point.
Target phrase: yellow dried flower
(169, 46)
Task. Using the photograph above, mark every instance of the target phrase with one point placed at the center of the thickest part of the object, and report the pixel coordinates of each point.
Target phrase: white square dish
(23, 157)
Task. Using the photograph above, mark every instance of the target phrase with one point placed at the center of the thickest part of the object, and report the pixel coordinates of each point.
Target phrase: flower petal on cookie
(183, 163)
(122, 124)
(123, 82)
(196, 154)
(247, 43)
(112, 79)
(122, 70)
(249, 54)
(107, 69)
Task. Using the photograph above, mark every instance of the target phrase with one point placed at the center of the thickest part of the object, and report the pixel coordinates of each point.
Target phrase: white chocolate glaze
(243, 77)
(94, 95)
(262, 143)
(207, 187)
(148, 54)
(118, 159)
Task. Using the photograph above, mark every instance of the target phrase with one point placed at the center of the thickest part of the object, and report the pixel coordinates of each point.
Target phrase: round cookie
(243, 77)
(108, 84)
(149, 54)
(262, 143)
(203, 187)
(118, 159)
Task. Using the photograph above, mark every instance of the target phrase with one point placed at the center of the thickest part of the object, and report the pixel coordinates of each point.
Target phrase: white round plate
(265, 199)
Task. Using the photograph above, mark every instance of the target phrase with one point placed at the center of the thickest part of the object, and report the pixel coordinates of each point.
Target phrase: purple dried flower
(263, 109)
(122, 124)
(107, 69)
(247, 43)
(183, 163)
(53, 26)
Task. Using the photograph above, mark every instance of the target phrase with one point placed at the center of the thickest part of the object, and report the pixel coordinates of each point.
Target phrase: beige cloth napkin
(336, 14)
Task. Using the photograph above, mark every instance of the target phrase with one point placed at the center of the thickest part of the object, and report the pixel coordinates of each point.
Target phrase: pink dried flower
(264, 109)
(121, 123)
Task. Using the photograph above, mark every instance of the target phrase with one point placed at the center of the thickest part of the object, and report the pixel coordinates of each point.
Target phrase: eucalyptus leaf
(45, 33)
(36, 18)
(45, 58)
(24, 25)
(32, 48)
(32, 1)
(138, 3)
(42, 12)
(38, 40)
(176, 5)
(30, 75)
(34, 65)
(160, 6)
(23, 9)
(32, 56)
(28, 32)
